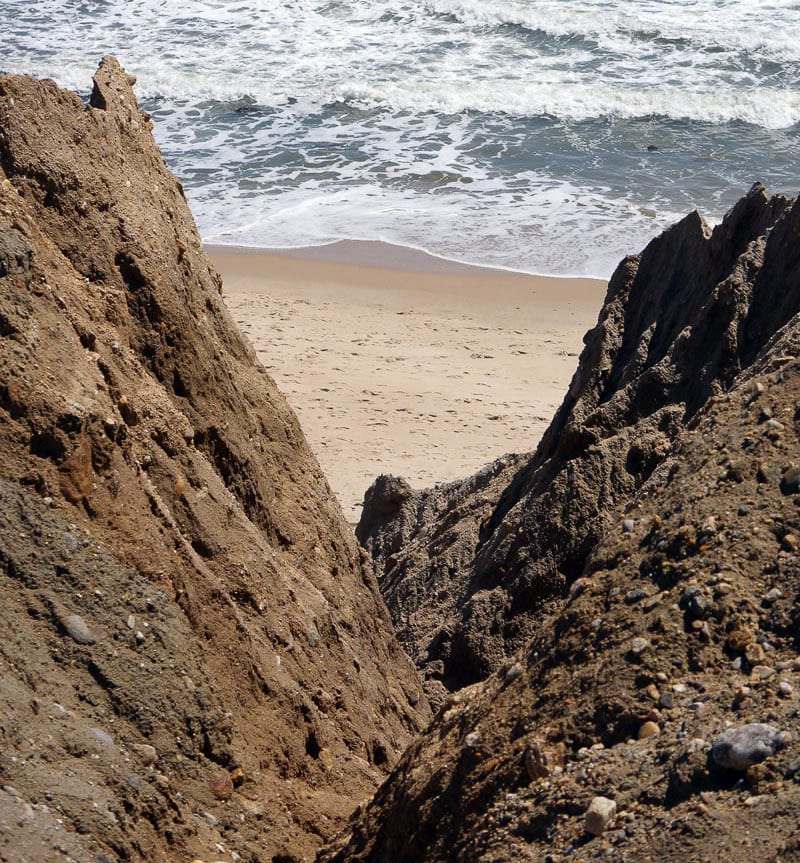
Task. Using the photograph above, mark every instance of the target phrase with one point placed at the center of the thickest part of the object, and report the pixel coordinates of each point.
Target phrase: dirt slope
(680, 321)
(176, 572)
(681, 622)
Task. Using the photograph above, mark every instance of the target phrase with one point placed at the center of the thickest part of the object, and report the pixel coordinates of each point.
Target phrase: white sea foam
(699, 61)
(582, 100)
(516, 133)
(550, 228)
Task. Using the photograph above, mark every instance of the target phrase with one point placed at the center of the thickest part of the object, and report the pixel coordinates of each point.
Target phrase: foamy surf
(550, 137)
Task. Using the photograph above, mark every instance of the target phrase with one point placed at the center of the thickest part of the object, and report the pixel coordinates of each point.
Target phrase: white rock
(600, 815)
(738, 748)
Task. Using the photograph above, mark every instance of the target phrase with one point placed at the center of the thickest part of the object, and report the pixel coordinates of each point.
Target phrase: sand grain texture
(406, 364)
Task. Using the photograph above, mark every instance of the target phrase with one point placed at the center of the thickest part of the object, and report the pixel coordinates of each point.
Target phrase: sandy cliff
(196, 659)
(176, 572)
(679, 322)
(645, 559)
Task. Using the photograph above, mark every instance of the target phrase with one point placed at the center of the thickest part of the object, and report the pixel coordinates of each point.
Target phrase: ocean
(551, 137)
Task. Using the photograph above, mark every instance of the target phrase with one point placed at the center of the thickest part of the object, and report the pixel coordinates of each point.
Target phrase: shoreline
(408, 364)
(385, 254)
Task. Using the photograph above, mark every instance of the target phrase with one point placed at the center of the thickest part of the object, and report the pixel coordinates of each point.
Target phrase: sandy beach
(399, 362)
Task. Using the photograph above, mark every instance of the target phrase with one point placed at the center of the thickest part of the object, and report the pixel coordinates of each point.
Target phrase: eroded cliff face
(652, 545)
(468, 588)
(176, 572)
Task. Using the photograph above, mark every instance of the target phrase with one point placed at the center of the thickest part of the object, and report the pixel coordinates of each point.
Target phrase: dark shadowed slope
(681, 320)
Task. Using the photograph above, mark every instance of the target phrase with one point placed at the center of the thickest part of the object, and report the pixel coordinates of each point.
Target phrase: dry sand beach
(399, 362)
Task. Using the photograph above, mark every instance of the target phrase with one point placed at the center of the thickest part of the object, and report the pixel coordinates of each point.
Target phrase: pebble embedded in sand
(222, 786)
(648, 729)
(791, 479)
(147, 753)
(638, 646)
(77, 629)
(600, 815)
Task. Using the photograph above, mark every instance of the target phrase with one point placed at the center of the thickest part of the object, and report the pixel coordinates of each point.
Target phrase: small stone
(772, 596)
(101, 735)
(648, 729)
(754, 653)
(698, 606)
(666, 701)
(738, 748)
(739, 639)
(513, 673)
(743, 509)
(77, 629)
(222, 786)
(212, 821)
(754, 801)
(790, 480)
(147, 753)
(785, 688)
(652, 691)
(763, 672)
(628, 525)
(600, 815)
(71, 542)
(639, 645)
(578, 587)
(131, 622)
(635, 595)
(790, 542)
(774, 425)
(754, 390)
(541, 761)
